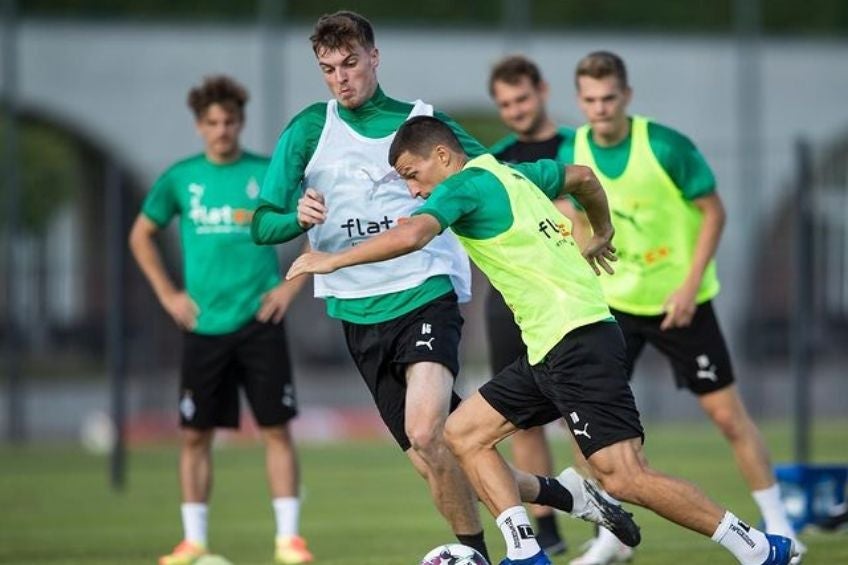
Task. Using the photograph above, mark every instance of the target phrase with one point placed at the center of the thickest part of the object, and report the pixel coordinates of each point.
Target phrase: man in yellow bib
(668, 220)
(575, 362)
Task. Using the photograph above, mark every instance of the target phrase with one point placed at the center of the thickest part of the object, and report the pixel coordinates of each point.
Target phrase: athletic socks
(748, 544)
(552, 493)
(286, 513)
(517, 533)
(773, 512)
(194, 521)
(474, 541)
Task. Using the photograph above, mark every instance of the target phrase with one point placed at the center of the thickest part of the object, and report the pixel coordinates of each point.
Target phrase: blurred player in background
(668, 219)
(231, 311)
(521, 94)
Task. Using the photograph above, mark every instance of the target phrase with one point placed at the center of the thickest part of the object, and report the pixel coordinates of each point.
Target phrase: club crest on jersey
(252, 188)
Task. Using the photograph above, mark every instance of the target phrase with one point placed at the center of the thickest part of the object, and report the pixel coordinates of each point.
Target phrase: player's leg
(599, 407)
(267, 379)
(605, 547)
(701, 363)
(208, 399)
(530, 449)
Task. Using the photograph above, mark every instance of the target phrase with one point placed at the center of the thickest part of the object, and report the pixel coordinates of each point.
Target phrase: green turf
(363, 503)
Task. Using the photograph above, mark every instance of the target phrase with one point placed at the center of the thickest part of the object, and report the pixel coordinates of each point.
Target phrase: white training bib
(364, 197)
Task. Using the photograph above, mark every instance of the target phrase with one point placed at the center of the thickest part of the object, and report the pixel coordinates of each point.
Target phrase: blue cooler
(809, 491)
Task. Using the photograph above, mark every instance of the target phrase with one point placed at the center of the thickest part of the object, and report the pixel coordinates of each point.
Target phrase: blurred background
(93, 95)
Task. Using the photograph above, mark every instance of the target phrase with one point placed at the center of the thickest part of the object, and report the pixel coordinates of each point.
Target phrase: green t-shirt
(474, 203)
(276, 218)
(675, 152)
(226, 274)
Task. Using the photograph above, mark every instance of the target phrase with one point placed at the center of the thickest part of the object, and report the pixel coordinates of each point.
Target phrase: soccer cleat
(603, 551)
(291, 550)
(551, 542)
(596, 508)
(538, 559)
(185, 553)
(781, 550)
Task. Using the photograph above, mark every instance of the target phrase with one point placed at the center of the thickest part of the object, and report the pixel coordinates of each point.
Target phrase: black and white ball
(453, 554)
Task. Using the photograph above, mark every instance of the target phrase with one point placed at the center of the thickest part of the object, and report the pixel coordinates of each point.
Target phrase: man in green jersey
(231, 310)
(521, 94)
(668, 219)
(574, 367)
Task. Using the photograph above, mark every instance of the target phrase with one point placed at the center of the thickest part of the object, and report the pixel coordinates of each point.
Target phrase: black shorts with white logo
(255, 358)
(382, 352)
(502, 333)
(582, 379)
(697, 353)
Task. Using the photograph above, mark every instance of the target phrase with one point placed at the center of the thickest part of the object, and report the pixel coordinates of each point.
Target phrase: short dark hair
(512, 69)
(343, 29)
(218, 89)
(419, 135)
(601, 64)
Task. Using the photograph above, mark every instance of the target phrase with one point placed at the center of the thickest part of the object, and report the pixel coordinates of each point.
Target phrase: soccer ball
(213, 560)
(453, 554)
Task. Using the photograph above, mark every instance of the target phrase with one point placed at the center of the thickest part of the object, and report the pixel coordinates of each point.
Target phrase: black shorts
(255, 357)
(502, 333)
(382, 351)
(697, 353)
(582, 379)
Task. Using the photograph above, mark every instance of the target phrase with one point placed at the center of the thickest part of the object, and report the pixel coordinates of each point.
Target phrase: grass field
(363, 503)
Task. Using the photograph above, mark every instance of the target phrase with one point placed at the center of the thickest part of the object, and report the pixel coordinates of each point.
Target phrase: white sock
(517, 533)
(286, 512)
(194, 521)
(773, 511)
(748, 544)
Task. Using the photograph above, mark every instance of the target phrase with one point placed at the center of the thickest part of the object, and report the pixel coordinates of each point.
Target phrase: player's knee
(730, 423)
(455, 435)
(622, 485)
(424, 438)
(196, 440)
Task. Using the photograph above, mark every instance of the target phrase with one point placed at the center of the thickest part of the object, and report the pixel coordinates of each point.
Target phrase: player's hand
(600, 252)
(312, 262)
(274, 304)
(182, 309)
(680, 308)
(311, 209)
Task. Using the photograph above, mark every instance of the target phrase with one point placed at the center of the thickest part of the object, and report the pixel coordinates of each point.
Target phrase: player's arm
(276, 302)
(277, 218)
(580, 181)
(580, 227)
(410, 235)
(681, 304)
(177, 303)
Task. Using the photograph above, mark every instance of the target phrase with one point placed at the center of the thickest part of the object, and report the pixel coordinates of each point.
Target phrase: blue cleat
(538, 559)
(781, 550)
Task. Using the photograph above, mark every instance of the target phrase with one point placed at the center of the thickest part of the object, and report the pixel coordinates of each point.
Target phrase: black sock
(474, 541)
(546, 525)
(553, 494)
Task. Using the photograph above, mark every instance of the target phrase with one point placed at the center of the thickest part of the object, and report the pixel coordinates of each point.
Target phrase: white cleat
(604, 550)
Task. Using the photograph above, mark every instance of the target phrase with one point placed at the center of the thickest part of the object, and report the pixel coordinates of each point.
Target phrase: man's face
(422, 174)
(604, 103)
(220, 129)
(522, 105)
(351, 75)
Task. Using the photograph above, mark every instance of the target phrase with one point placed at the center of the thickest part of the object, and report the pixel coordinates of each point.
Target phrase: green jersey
(276, 218)
(226, 274)
(504, 218)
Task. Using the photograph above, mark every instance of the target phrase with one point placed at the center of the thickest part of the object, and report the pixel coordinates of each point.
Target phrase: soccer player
(231, 311)
(330, 176)
(668, 219)
(575, 362)
(521, 94)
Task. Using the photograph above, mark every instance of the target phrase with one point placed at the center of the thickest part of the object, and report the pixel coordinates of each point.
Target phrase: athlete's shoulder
(185, 164)
(310, 117)
(666, 137)
(503, 144)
